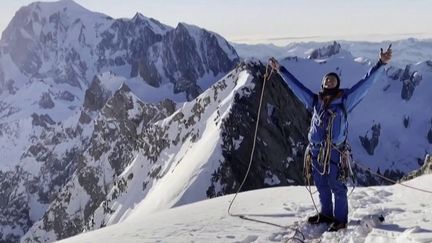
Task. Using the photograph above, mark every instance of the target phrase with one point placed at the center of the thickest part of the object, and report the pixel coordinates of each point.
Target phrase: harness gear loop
(307, 164)
(345, 162)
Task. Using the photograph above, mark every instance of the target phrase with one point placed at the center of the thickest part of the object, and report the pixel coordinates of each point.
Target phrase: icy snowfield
(407, 218)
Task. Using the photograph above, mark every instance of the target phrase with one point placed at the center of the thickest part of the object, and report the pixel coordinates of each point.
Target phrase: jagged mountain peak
(124, 88)
(327, 51)
(192, 30)
(187, 26)
(141, 17)
(154, 24)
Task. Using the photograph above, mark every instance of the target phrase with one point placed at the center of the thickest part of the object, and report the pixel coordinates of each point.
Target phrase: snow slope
(183, 170)
(406, 220)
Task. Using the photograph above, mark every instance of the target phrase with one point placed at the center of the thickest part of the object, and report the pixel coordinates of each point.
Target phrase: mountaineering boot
(320, 218)
(335, 226)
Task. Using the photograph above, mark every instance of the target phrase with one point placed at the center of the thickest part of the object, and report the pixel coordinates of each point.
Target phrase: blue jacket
(341, 106)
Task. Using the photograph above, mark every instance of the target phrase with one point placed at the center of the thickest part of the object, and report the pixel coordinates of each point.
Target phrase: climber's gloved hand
(386, 56)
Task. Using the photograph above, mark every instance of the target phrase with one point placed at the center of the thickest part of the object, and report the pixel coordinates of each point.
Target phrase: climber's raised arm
(356, 93)
(303, 94)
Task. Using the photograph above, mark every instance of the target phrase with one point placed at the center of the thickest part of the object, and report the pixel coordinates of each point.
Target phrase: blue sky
(276, 21)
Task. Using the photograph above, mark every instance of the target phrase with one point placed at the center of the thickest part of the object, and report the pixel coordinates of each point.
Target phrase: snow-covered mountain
(201, 149)
(406, 220)
(105, 120)
(405, 51)
(63, 69)
(195, 153)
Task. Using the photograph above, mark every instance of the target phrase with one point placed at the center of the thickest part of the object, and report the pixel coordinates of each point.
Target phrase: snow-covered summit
(405, 220)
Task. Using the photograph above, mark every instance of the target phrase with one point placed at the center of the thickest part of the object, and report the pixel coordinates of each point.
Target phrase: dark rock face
(425, 169)
(46, 102)
(407, 89)
(2, 80)
(394, 73)
(184, 59)
(410, 80)
(85, 118)
(116, 136)
(326, 52)
(369, 144)
(96, 96)
(406, 120)
(11, 87)
(187, 60)
(366, 177)
(55, 170)
(136, 36)
(23, 48)
(429, 136)
(406, 73)
(14, 203)
(281, 139)
(118, 108)
(42, 120)
(67, 96)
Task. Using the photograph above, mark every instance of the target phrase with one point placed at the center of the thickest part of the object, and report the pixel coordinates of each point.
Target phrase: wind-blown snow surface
(406, 220)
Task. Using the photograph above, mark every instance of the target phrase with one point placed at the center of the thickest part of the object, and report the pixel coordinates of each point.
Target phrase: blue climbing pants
(329, 185)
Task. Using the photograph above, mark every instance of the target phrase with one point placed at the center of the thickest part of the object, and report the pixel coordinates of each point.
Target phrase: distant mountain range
(406, 51)
(103, 117)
